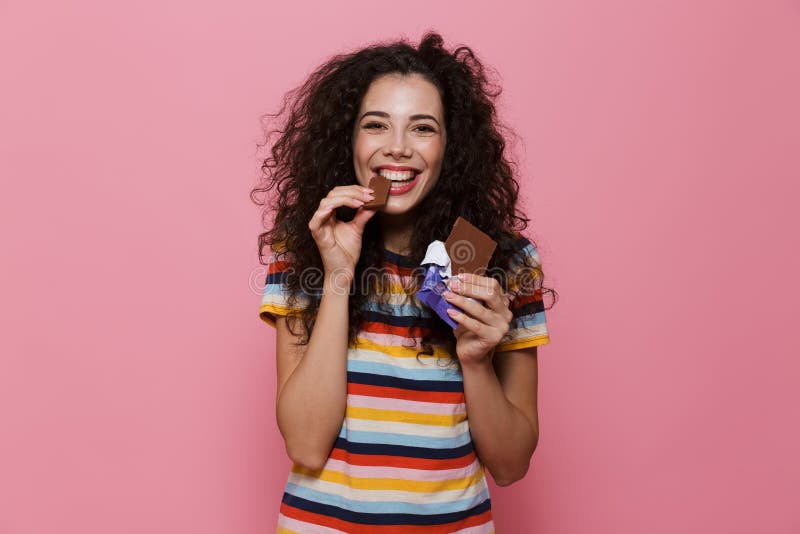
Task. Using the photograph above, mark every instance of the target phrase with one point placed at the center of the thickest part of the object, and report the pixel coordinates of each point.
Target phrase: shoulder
(280, 258)
(279, 248)
(524, 268)
(521, 242)
(524, 254)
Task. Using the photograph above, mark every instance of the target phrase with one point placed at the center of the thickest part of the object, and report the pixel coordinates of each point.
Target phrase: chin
(397, 207)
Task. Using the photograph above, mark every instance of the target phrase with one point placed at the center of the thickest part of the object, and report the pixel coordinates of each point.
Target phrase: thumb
(362, 216)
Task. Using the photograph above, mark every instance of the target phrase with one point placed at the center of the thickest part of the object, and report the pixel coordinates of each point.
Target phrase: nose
(397, 146)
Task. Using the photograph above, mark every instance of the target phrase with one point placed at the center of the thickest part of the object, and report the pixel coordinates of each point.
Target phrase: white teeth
(399, 176)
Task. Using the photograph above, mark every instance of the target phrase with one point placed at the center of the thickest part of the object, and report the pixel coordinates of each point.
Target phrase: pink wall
(660, 166)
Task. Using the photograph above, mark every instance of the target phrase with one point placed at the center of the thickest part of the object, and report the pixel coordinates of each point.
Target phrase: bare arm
(312, 381)
(500, 387)
(503, 414)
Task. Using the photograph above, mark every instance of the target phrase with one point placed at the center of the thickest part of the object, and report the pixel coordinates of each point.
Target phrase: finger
(351, 187)
(331, 203)
(358, 192)
(328, 205)
(484, 288)
(321, 216)
(487, 333)
(355, 190)
(362, 216)
(475, 309)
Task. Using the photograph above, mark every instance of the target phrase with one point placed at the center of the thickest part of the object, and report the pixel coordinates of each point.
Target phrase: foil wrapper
(437, 263)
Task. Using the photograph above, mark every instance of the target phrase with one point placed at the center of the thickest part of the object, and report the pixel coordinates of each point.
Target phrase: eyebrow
(411, 117)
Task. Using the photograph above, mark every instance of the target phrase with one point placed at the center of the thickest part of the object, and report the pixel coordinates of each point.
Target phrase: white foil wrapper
(437, 254)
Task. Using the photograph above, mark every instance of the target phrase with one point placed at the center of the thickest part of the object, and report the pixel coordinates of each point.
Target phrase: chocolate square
(381, 186)
(469, 248)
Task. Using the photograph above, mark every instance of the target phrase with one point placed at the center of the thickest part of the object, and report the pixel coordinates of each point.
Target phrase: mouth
(402, 181)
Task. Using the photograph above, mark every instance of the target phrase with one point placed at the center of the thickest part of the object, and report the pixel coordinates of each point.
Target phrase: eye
(429, 129)
(369, 125)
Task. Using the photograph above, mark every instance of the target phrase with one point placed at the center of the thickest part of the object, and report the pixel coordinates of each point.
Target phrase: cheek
(432, 184)
(363, 150)
(434, 155)
(429, 185)
(360, 156)
(358, 145)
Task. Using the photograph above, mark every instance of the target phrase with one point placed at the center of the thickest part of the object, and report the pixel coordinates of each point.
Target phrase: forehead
(402, 96)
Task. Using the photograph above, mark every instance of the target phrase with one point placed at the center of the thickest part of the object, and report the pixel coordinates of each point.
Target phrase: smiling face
(400, 124)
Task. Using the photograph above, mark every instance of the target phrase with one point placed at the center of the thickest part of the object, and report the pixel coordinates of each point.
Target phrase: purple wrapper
(431, 294)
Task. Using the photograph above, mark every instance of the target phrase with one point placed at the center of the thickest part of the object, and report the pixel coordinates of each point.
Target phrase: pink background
(660, 167)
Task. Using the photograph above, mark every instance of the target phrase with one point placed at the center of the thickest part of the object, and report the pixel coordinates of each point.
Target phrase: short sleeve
(528, 327)
(276, 297)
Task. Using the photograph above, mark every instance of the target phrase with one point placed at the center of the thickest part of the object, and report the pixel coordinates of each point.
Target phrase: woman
(389, 415)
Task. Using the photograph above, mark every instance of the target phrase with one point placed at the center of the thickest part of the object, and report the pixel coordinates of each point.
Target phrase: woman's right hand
(339, 242)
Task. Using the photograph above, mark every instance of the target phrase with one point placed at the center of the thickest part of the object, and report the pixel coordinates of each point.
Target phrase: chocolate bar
(469, 249)
(381, 186)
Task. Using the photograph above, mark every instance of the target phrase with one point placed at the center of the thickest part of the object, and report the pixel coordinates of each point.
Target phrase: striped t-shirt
(404, 458)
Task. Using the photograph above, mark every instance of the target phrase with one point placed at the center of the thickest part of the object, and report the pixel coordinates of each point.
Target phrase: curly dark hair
(313, 154)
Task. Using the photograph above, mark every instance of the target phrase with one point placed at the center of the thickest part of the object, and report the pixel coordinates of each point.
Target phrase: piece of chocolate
(469, 249)
(381, 186)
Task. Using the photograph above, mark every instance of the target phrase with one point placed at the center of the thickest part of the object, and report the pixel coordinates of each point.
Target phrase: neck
(396, 231)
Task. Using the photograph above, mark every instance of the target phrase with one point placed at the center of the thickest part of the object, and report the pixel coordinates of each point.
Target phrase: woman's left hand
(483, 324)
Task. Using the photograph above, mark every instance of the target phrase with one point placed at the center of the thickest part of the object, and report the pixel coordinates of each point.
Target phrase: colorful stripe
(404, 460)
(528, 328)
